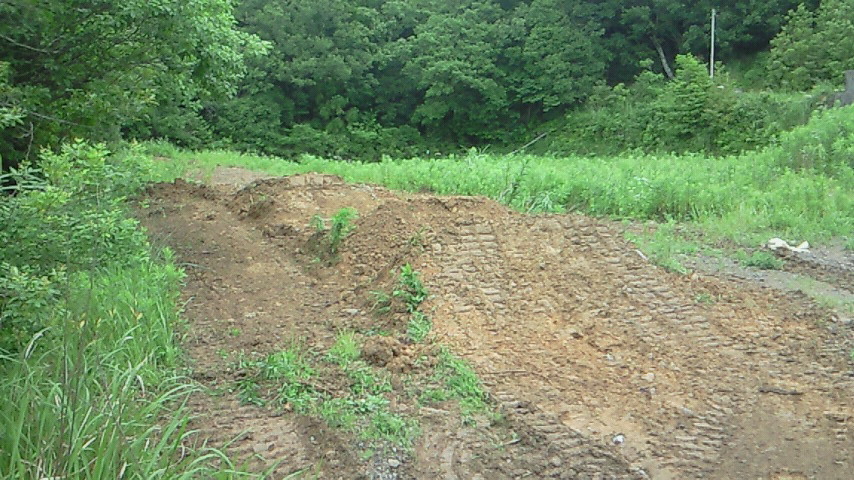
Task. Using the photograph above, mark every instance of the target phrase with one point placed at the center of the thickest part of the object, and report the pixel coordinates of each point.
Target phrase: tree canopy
(364, 77)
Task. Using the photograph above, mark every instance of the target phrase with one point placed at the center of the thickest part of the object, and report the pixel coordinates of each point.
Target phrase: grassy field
(91, 372)
(801, 188)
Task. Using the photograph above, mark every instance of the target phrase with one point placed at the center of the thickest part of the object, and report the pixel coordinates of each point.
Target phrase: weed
(340, 225)
(249, 392)
(419, 326)
(410, 289)
(664, 246)
(849, 243)
(367, 381)
(382, 302)
(391, 427)
(763, 260)
(234, 332)
(417, 238)
(345, 350)
(290, 374)
(704, 298)
(433, 395)
(461, 382)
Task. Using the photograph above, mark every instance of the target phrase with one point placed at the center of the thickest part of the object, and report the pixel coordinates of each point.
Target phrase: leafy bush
(814, 46)
(691, 113)
(87, 329)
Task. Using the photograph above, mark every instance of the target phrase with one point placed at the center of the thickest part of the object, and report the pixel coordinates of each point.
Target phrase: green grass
(345, 350)
(288, 379)
(90, 368)
(665, 246)
(801, 187)
(419, 326)
(459, 381)
(762, 260)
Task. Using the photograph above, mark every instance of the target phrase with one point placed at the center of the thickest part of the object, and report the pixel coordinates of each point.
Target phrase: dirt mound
(605, 365)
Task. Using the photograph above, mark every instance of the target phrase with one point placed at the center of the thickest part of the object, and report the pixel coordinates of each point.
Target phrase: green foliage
(759, 259)
(87, 331)
(747, 198)
(825, 145)
(814, 46)
(692, 113)
(345, 350)
(288, 370)
(461, 382)
(340, 225)
(664, 247)
(99, 67)
(419, 326)
(66, 217)
(410, 288)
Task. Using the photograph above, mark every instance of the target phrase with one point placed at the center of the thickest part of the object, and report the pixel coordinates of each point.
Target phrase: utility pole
(712, 61)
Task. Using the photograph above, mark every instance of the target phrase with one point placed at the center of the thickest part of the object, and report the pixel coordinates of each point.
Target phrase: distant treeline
(359, 78)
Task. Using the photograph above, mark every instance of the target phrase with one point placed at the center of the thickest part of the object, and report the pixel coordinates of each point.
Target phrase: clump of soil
(604, 365)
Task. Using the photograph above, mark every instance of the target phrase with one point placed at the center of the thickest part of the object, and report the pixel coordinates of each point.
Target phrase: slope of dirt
(605, 366)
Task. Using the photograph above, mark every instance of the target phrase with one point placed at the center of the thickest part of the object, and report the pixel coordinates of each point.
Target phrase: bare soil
(604, 365)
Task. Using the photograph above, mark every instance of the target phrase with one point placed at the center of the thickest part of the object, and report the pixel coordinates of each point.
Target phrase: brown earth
(604, 365)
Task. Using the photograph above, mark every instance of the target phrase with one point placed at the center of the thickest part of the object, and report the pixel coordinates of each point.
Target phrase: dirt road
(604, 365)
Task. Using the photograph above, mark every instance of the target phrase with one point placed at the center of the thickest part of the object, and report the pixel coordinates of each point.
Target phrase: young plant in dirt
(287, 373)
(410, 289)
(407, 295)
(340, 225)
(454, 379)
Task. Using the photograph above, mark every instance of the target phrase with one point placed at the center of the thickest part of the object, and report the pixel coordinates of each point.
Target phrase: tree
(814, 46)
(90, 67)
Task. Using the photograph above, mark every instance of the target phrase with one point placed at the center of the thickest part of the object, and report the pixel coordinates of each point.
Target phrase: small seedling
(704, 298)
(382, 302)
(234, 332)
(419, 326)
(410, 289)
(340, 225)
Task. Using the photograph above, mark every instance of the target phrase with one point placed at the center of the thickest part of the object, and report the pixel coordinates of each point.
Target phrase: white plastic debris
(778, 243)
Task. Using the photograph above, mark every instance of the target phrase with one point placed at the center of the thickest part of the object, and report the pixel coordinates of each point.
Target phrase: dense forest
(598, 108)
(360, 78)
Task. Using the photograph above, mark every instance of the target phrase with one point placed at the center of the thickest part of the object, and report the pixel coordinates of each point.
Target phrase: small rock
(393, 463)
(649, 377)
(261, 447)
(619, 439)
(556, 461)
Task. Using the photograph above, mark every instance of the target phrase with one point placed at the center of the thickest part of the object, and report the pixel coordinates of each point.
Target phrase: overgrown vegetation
(340, 225)
(290, 380)
(691, 113)
(359, 79)
(90, 367)
(411, 291)
(802, 187)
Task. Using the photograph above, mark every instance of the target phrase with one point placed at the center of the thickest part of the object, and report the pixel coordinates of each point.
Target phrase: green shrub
(691, 113)
(87, 330)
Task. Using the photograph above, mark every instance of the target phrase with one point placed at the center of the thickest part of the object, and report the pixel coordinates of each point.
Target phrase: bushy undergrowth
(89, 363)
(802, 187)
(692, 113)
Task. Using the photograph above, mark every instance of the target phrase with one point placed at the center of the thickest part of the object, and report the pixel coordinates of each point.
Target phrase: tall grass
(802, 187)
(90, 383)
